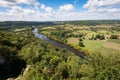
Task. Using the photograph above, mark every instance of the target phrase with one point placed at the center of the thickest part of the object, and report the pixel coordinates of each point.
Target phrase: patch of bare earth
(112, 45)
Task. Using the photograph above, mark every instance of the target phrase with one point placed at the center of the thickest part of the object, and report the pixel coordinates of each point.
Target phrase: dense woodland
(93, 22)
(29, 58)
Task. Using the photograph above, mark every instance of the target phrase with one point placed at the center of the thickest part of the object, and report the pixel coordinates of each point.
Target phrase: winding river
(45, 38)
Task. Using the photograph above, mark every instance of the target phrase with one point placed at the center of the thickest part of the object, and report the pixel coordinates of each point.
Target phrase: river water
(45, 38)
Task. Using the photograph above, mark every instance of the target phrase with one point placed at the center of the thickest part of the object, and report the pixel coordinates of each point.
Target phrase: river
(45, 38)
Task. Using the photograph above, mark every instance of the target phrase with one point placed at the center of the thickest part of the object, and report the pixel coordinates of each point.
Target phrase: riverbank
(57, 43)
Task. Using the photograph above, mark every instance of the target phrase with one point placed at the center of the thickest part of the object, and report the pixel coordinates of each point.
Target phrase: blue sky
(56, 3)
(58, 10)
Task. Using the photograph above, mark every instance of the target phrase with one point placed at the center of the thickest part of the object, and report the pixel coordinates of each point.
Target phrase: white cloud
(42, 6)
(32, 15)
(66, 7)
(18, 12)
(97, 9)
(105, 9)
(11, 3)
(6, 4)
(108, 10)
(26, 1)
(47, 9)
(100, 3)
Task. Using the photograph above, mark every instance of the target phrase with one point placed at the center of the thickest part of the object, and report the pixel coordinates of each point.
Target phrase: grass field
(103, 32)
(72, 41)
(93, 44)
(106, 51)
(114, 40)
(102, 46)
(112, 45)
(96, 45)
(84, 31)
(116, 33)
(20, 29)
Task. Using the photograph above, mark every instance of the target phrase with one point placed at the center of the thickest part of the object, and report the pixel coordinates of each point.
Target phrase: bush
(81, 44)
(100, 37)
(113, 37)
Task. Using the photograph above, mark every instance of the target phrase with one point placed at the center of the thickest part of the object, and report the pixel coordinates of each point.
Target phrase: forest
(26, 57)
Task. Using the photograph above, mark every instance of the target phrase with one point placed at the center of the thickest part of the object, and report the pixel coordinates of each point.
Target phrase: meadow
(94, 38)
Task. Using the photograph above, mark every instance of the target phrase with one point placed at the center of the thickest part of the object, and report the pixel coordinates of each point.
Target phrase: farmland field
(93, 44)
(114, 40)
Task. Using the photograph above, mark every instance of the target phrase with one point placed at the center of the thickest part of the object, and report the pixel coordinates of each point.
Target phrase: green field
(93, 44)
(114, 40)
(104, 32)
(108, 51)
(20, 29)
(72, 41)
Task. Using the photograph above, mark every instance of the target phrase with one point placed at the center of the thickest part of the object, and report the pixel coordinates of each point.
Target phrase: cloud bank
(36, 11)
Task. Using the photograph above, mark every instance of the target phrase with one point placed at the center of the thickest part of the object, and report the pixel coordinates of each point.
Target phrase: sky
(59, 10)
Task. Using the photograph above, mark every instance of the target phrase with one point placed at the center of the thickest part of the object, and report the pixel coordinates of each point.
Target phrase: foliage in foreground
(55, 64)
(94, 67)
(48, 62)
(99, 67)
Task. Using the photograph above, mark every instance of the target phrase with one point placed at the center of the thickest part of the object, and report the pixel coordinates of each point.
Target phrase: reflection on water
(41, 36)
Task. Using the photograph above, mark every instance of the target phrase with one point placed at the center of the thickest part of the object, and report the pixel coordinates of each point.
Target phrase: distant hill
(33, 23)
(23, 23)
(93, 22)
